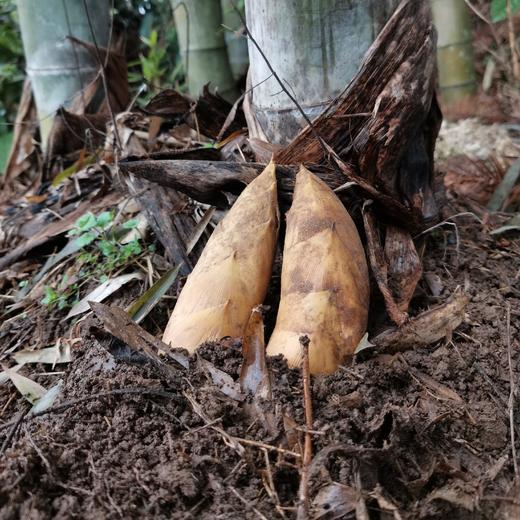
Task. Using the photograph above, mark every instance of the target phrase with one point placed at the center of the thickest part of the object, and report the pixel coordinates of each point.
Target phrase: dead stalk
(512, 391)
(303, 493)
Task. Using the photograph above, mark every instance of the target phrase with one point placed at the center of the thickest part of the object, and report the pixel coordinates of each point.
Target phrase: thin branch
(303, 492)
(512, 391)
(280, 82)
(103, 76)
(247, 503)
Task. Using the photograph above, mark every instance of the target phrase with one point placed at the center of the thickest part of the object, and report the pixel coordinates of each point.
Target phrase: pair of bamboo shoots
(325, 288)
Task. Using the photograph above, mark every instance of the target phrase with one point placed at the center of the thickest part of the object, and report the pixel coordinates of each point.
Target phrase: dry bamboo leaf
(59, 353)
(48, 399)
(31, 390)
(325, 289)
(118, 323)
(233, 272)
(4, 375)
(378, 265)
(102, 291)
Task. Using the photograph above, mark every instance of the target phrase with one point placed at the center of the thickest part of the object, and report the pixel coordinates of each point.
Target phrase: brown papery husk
(325, 288)
(233, 272)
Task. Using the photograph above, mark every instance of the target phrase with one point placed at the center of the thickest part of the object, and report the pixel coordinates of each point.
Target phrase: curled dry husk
(233, 272)
(325, 288)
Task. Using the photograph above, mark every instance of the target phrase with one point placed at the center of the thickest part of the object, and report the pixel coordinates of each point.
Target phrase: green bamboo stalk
(58, 69)
(203, 47)
(236, 44)
(316, 46)
(455, 57)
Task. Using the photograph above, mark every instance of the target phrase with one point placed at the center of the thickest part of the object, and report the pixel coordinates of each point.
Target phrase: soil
(423, 434)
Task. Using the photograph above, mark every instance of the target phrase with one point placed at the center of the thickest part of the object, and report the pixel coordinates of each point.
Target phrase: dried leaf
(224, 382)
(513, 224)
(456, 494)
(335, 501)
(59, 226)
(4, 376)
(60, 353)
(440, 390)
(379, 265)
(31, 390)
(404, 265)
(168, 104)
(197, 232)
(364, 344)
(385, 504)
(434, 283)
(425, 329)
(47, 400)
(102, 292)
(505, 187)
(292, 434)
(119, 324)
(22, 145)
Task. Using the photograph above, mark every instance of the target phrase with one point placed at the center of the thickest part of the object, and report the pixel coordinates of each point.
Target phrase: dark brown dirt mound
(425, 433)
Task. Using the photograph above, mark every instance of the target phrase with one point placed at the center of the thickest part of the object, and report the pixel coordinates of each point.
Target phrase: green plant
(100, 256)
(499, 9)
(157, 63)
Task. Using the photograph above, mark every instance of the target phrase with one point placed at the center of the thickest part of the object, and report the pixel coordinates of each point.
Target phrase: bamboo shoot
(325, 289)
(233, 272)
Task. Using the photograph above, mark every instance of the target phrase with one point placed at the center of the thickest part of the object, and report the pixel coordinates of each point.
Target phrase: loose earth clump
(423, 434)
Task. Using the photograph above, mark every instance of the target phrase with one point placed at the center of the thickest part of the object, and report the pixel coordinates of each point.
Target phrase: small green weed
(100, 256)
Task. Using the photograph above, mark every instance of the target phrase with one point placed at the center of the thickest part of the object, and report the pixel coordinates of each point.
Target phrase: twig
(229, 440)
(270, 487)
(39, 452)
(246, 503)
(15, 426)
(303, 492)
(280, 82)
(103, 76)
(512, 391)
(263, 445)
